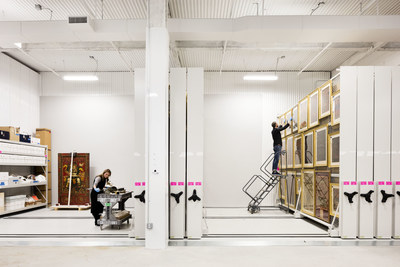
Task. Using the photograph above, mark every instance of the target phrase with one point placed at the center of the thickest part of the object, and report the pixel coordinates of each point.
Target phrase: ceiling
(223, 55)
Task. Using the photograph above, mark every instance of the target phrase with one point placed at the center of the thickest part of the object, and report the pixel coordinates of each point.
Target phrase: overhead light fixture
(19, 45)
(260, 77)
(39, 7)
(80, 78)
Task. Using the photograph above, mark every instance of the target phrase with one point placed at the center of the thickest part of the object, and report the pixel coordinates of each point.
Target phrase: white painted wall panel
(177, 134)
(384, 222)
(382, 128)
(109, 83)
(195, 151)
(349, 209)
(19, 91)
(395, 164)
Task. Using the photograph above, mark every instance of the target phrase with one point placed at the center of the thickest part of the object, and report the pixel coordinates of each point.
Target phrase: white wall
(19, 95)
(91, 120)
(237, 129)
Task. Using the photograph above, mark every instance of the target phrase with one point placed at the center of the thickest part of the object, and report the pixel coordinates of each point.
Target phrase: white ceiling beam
(223, 56)
(315, 58)
(39, 62)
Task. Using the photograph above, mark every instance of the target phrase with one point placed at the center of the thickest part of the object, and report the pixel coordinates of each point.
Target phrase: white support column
(177, 123)
(139, 153)
(195, 140)
(382, 151)
(348, 132)
(157, 67)
(396, 148)
(365, 150)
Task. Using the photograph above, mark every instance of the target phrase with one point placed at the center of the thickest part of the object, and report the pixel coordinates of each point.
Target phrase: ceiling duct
(81, 23)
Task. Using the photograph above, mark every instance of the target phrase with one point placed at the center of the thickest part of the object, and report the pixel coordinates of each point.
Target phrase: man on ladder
(276, 135)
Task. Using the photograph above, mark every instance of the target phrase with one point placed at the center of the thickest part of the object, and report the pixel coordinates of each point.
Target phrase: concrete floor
(201, 256)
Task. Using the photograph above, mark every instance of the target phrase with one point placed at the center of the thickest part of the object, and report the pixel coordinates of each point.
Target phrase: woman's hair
(105, 171)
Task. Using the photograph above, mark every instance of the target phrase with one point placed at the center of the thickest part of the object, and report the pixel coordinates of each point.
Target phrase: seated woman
(99, 183)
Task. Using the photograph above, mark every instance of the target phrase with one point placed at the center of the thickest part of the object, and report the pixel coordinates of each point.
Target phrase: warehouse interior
(175, 99)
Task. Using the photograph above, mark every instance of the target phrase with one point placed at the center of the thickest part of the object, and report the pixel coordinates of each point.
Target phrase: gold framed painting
(313, 109)
(282, 189)
(282, 160)
(303, 115)
(322, 181)
(295, 119)
(289, 151)
(308, 149)
(334, 150)
(321, 146)
(335, 119)
(297, 148)
(334, 199)
(336, 84)
(324, 109)
(288, 130)
(291, 187)
(308, 192)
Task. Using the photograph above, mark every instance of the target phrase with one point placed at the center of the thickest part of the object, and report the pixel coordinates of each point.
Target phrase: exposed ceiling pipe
(38, 62)
(354, 59)
(175, 53)
(315, 58)
(90, 13)
(223, 56)
(122, 57)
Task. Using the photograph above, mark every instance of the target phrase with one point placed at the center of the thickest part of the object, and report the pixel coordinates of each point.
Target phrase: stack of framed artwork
(312, 144)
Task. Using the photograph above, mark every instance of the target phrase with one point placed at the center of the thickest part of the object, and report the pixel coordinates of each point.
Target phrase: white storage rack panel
(195, 104)
(365, 150)
(396, 148)
(177, 152)
(382, 148)
(139, 179)
(348, 133)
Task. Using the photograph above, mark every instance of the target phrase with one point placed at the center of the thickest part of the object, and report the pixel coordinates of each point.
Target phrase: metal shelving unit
(20, 146)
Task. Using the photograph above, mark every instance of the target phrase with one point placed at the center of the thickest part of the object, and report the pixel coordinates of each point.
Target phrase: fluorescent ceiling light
(260, 77)
(19, 45)
(80, 78)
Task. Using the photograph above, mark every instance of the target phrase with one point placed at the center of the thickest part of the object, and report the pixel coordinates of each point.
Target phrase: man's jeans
(277, 150)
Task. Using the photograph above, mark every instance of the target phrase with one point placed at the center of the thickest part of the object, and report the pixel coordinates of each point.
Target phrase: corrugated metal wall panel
(109, 83)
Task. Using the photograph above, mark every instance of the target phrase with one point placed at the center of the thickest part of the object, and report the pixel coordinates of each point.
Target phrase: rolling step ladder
(268, 184)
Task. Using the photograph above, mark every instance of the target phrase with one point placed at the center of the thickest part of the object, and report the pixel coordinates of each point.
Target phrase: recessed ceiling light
(260, 77)
(80, 78)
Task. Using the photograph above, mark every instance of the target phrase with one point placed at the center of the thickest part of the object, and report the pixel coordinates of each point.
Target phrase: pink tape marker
(388, 183)
(381, 183)
(190, 183)
(198, 183)
(44, 156)
(137, 184)
(173, 183)
(353, 183)
(370, 183)
(346, 183)
(181, 183)
(363, 183)
(1, 151)
(398, 183)
(143, 183)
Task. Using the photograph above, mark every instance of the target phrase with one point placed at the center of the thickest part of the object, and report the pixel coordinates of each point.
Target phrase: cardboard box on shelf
(1, 201)
(12, 131)
(45, 136)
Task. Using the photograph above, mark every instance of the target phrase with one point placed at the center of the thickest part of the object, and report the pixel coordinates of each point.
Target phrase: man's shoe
(276, 173)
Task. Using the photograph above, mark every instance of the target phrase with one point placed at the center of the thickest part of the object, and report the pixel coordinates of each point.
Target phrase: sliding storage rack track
(19, 154)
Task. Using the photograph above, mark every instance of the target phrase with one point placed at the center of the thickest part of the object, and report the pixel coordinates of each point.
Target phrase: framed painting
(298, 184)
(308, 192)
(321, 146)
(282, 189)
(289, 151)
(313, 109)
(335, 119)
(297, 148)
(334, 199)
(322, 181)
(325, 100)
(80, 178)
(288, 130)
(334, 150)
(291, 186)
(303, 115)
(283, 155)
(283, 123)
(336, 84)
(295, 119)
(308, 149)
